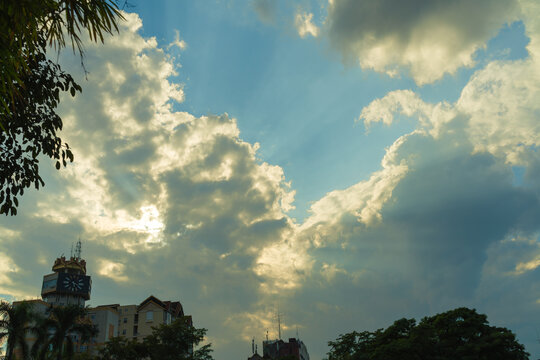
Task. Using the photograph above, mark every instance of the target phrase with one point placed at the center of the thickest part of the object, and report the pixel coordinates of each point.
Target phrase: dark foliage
(63, 323)
(30, 129)
(457, 334)
(175, 341)
(30, 84)
(24, 23)
(120, 348)
(14, 326)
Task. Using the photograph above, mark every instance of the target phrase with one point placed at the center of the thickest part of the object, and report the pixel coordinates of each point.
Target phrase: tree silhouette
(65, 322)
(30, 84)
(175, 341)
(15, 323)
(457, 334)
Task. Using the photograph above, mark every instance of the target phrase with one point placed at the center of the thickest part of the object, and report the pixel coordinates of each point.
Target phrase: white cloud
(498, 107)
(501, 101)
(428, 38)
(304, 25)
(527, 266)
(406, 102)
(112, 270)
(7, 267)
(179, 43)
(363, 200)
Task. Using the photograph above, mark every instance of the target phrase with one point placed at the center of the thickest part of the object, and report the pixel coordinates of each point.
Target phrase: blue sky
(350, 163)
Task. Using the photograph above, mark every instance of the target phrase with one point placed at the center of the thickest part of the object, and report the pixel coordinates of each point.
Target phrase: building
(105, 318)
(68, 284)
(255, 357)
(276, 349)
(136, 321)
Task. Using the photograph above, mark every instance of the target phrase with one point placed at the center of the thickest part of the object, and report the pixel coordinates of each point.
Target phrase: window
(135, 329)
(125, 320)
(149, 316)
(124, 332)
(136, 318)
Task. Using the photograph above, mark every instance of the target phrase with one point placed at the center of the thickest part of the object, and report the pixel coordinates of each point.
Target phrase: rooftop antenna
(253, 346)
(279, 324)
(266, 334)
(297, 333)
(71, 254)
(278, 316)
(77, 254)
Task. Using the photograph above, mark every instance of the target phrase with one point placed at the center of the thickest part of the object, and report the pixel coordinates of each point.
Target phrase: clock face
(73, 283)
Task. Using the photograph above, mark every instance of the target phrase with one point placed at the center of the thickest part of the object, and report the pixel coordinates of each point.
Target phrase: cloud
(187, 209)
(179, 43)
(304, 25)
(7, 267)
(179, 204)
(427, 38)
(112, 270)
(452, 227)
(405, 102)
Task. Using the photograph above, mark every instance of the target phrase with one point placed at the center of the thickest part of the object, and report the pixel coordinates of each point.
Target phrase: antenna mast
(279, 325)
(77, 254)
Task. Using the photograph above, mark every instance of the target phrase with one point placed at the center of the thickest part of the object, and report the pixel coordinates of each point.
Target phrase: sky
(342, 163)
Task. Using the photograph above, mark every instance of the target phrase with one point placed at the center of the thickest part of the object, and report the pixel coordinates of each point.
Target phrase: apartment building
(132, 321)
(136, 321)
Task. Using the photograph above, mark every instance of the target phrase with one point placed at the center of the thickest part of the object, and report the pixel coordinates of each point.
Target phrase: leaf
(58, 165)
(72, 91)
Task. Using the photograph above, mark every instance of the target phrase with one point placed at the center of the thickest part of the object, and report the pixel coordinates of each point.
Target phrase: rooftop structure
(276, 349)
(68, 284)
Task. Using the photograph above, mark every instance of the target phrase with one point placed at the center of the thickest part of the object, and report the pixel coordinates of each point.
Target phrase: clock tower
(68, 284)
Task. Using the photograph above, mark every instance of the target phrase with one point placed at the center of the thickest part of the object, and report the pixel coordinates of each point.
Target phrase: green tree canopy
(30, 83)
(457, 334)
